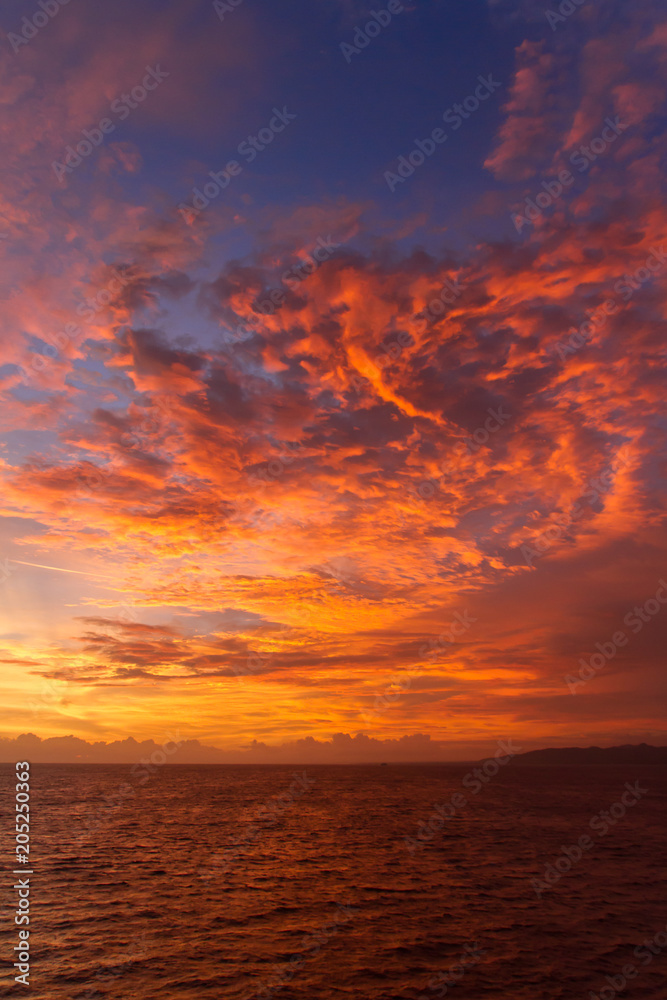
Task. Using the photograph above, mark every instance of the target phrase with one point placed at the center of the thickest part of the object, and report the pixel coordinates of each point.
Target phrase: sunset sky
(259, 519)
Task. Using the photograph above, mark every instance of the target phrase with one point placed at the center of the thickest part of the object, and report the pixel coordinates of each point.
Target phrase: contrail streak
(60, 569)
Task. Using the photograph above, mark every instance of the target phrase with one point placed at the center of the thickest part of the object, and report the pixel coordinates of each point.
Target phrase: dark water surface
(189, 888)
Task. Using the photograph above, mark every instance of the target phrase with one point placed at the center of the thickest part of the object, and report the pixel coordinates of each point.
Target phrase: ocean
(391, 882)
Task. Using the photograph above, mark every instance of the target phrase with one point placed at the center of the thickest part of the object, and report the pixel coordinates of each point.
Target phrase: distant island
(581, 756)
